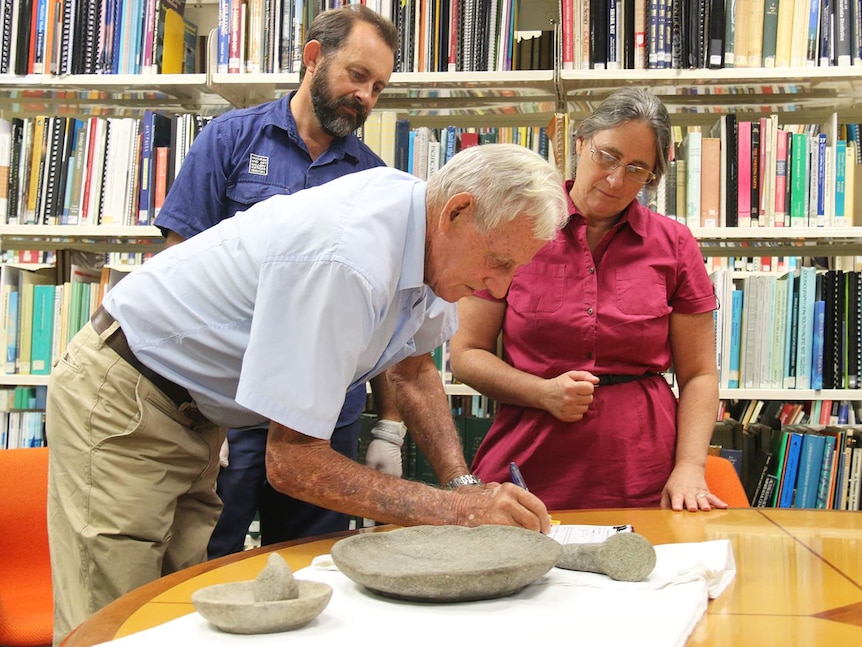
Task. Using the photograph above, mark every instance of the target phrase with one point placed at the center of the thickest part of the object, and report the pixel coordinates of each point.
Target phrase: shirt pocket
(641, 293)
(244, 194)
(538, 292)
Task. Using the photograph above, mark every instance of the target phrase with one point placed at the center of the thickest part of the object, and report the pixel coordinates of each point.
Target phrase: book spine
(744, 149)
(843, 37)
(567, 27)
(806, 328)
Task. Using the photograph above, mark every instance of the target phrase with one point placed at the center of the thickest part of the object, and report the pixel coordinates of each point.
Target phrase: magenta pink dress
(606, 312)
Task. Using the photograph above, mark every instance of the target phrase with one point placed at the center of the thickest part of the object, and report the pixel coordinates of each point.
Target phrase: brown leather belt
(101, 321)
(622, 379)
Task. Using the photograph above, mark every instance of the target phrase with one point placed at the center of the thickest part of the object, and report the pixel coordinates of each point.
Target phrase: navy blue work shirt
(245, 156)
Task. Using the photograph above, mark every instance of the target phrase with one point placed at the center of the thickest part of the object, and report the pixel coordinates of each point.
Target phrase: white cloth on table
(578, 608)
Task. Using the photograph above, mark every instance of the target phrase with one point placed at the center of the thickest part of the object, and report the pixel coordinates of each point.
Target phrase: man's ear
(311, 54)
(459, 205)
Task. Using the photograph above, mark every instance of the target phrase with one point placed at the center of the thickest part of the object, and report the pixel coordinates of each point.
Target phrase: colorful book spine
(791, 468)
(782, 216)
(808, 473)
(804, 344)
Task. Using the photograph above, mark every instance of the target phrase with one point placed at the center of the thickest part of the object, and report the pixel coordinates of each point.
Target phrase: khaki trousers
(131, 481)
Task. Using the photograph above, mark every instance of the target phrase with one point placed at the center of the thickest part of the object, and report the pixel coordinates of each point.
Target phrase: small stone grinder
(625, 556)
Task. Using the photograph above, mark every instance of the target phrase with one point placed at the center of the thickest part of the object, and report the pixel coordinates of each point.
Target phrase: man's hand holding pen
(568, 396)
(501, 503)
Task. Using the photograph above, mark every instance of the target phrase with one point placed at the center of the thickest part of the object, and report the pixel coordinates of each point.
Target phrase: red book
(568, 35)
(469, 139)
(160, 184)
(782, 214)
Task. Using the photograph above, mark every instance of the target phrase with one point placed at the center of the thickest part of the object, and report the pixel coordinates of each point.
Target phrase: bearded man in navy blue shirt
(302, 140)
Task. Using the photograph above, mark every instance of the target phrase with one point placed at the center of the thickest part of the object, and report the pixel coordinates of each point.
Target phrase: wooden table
(798, 578)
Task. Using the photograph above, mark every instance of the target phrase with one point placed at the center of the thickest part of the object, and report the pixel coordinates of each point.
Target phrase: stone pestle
(626, 556)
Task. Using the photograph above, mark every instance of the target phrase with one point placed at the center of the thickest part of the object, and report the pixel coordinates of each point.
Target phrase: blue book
(805, 331)
(411, 148)
(736, 305)
(156, 132)
(11, 323)
(791, 467)
(810, 466)
(840, 181)
(451, 143)
(223, 37)
(820, 197)
(402, 145)
(817, 345)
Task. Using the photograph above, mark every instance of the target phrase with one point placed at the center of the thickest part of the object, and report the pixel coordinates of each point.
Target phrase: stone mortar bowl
(273, 602)
(446, 563)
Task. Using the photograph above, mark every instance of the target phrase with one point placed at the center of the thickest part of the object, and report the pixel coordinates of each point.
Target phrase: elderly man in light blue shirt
(243, 324)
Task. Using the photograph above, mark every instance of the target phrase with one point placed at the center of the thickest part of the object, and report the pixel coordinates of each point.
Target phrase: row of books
(811, 467)
(38, 316)
(422, 150)
(68, 171)
(435, 35)
(787, 458)
(22, 417)
(682, 34)
(798, 330)
(749, 173)
(96, 37)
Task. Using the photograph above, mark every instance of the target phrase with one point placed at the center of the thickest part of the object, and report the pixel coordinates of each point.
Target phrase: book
(42, 329)
(810, 466)
(710, 182)
(798, 155)
(781, 216)
(787, 486)
(691, 151)
(743, 165)
(770, 32)
(805, 334)
(827, 473)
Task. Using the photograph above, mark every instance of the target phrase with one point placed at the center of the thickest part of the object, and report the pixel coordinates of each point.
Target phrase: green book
(43, 329)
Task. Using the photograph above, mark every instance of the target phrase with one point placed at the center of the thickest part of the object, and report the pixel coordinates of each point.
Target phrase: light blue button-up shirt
(249, 315)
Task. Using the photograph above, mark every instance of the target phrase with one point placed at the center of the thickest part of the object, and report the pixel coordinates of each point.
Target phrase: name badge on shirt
(258, 165)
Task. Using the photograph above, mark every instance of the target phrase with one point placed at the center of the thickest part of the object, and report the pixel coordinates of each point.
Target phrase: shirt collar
(413, 260)
(281, 117)
(635, 214)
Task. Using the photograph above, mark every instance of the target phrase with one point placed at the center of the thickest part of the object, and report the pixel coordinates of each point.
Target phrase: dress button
(589, 311)
(589, 355)
(592, 270)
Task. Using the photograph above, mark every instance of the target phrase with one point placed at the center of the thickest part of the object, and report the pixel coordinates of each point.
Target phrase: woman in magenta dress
(618, 297)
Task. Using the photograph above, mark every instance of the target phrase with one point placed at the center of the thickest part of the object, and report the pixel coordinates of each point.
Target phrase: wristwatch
(466, 479)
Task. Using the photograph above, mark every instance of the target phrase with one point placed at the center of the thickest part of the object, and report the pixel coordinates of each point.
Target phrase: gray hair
(632, 104)
(506, 181)
(332, 28)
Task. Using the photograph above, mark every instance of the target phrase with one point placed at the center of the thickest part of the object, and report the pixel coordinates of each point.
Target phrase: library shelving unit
(469, 99)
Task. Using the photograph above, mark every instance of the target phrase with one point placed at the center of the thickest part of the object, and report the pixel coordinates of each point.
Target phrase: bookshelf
(472, 99)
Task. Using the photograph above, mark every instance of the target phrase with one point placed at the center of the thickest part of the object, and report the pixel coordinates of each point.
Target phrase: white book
(805, 327)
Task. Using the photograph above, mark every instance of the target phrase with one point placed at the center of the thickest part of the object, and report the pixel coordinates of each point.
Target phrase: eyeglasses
(610, 162)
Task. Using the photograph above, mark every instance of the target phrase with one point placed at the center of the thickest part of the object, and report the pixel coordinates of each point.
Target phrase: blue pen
(515, 473)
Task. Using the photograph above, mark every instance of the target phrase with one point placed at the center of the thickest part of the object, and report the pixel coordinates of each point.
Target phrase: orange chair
(26, 604)
(723, 482)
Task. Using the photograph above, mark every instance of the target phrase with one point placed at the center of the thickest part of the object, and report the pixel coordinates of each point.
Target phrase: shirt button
(592, 270)
(589, 311)
(589, 355)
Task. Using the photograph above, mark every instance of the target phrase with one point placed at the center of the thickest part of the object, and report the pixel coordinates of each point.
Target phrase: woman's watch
(466, 479)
